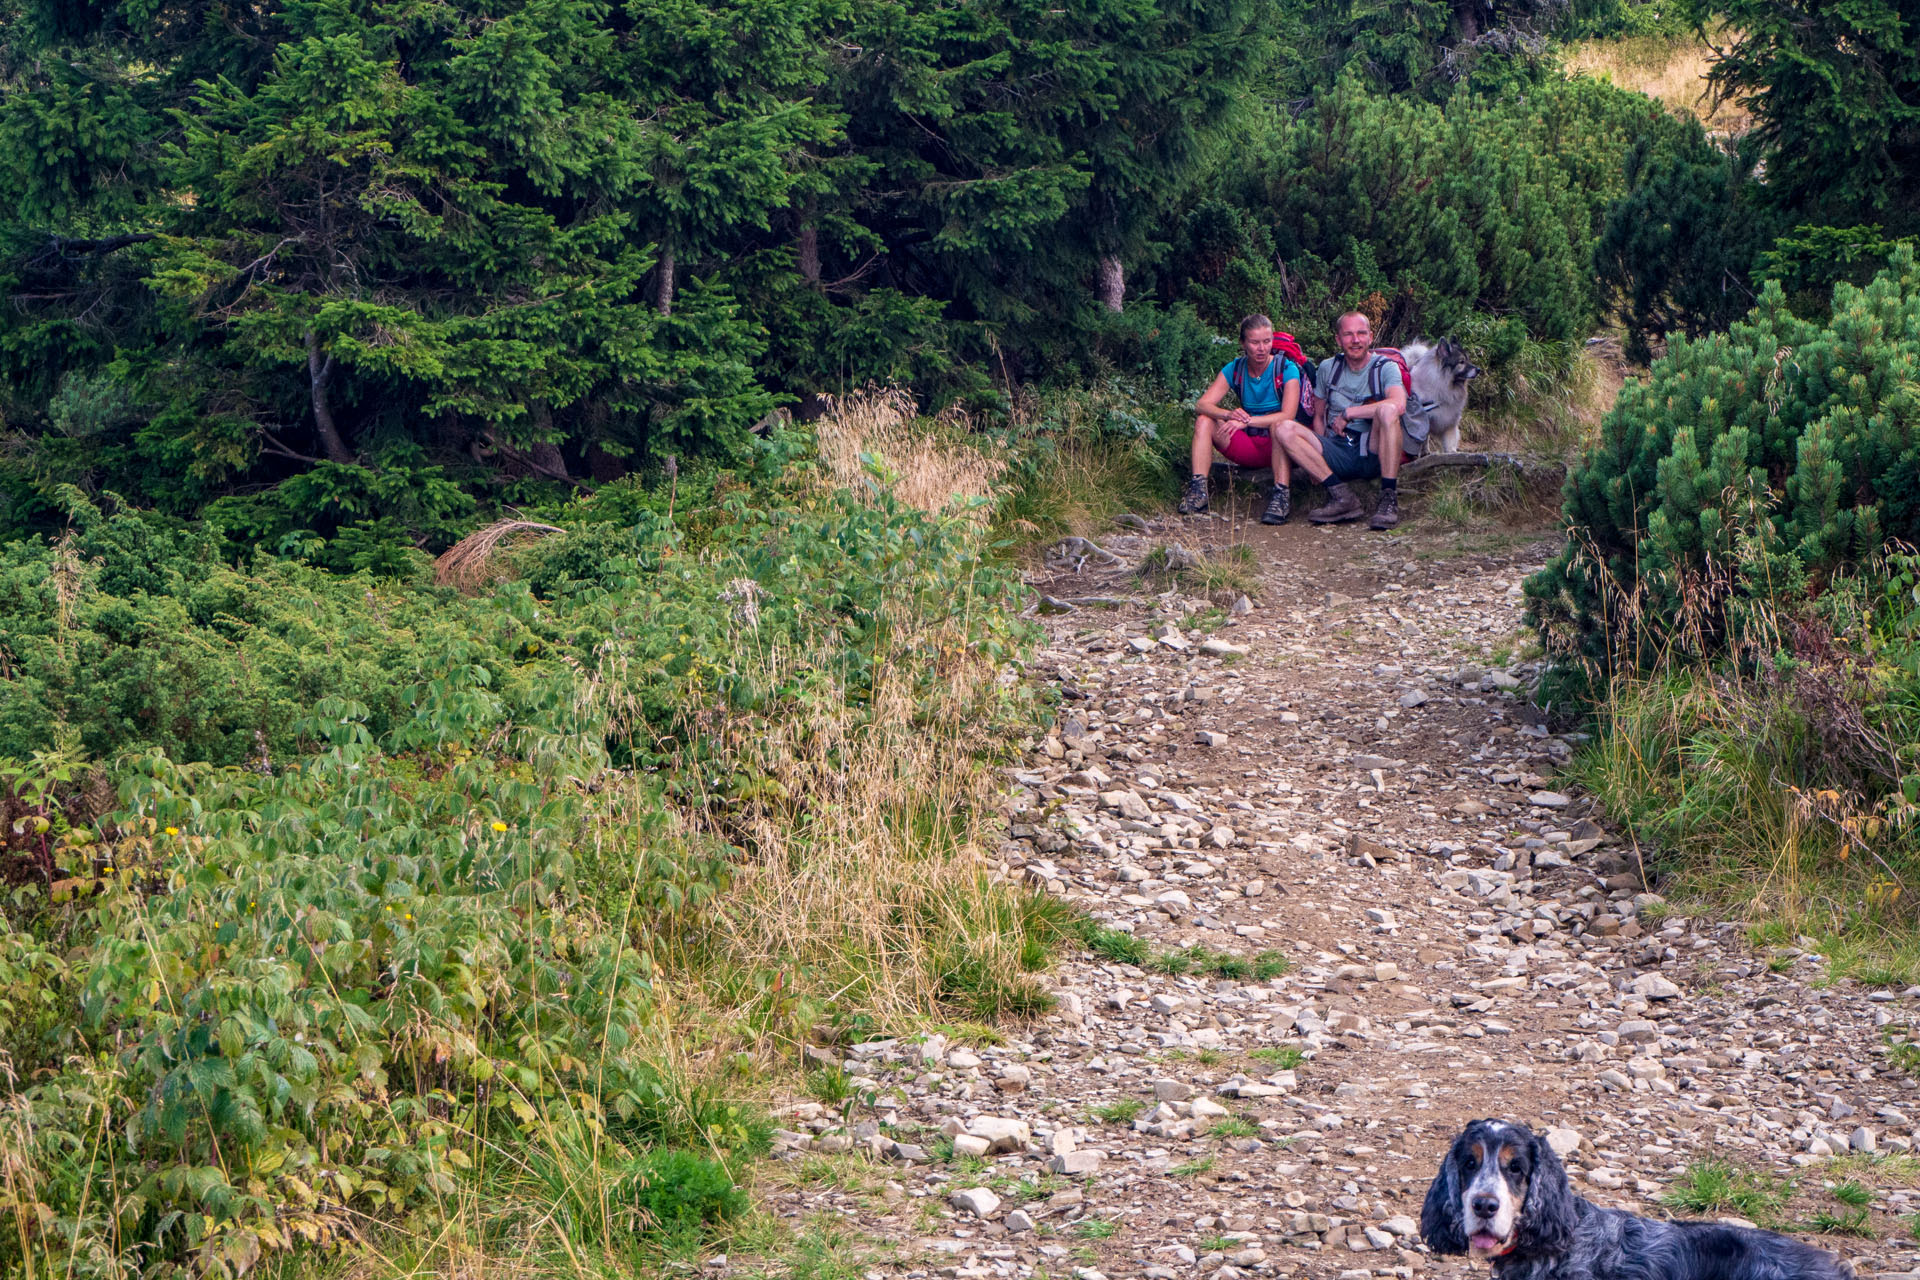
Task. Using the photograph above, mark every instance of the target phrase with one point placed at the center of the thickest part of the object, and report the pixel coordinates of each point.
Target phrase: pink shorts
(1246, 450)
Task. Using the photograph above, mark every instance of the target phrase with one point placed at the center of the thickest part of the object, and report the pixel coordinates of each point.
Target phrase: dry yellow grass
(1672, 72)
(920, 461)
(477, 561)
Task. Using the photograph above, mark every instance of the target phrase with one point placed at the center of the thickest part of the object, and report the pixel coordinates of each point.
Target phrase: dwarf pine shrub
(1748, 469)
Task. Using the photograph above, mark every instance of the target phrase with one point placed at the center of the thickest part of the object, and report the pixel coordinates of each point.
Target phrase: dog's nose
(1486, 1206)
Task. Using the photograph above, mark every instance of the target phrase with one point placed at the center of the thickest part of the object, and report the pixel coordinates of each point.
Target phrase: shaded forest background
(346, 277)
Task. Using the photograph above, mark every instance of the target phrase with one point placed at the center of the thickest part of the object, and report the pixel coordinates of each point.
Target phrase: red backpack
(1284, 346)
(1377, 377)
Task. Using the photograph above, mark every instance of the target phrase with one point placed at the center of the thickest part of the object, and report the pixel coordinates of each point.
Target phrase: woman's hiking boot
(1195, 501)
(1387, 513)
(1279, 505)
(1341, 506)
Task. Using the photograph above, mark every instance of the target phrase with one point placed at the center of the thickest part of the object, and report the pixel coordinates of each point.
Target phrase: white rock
(1018, 1222)
(968, 1144)
(1077, 1162)
(1005, 1134)
(1563, 1141)
(1654, 987)
(978, 1201)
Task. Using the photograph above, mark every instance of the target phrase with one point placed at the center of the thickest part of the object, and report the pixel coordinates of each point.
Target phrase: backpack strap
(1376, 377)
(1237, 378)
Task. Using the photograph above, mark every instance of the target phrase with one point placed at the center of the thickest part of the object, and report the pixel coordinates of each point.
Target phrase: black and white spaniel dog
(1502, 1195)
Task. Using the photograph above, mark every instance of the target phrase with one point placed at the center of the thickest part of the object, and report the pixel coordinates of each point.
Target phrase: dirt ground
(1344, 770)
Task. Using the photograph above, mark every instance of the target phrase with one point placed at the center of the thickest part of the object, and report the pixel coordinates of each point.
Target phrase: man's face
(1355, 336)
(1258, 344)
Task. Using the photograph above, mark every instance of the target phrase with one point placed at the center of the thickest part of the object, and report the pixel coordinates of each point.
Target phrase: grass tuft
(1119, 1111)
(1283, 1057)
(1719, 1186)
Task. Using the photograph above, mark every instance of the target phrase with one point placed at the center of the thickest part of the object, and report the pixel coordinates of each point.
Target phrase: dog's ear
(1548, 1216)
(1440, 1224)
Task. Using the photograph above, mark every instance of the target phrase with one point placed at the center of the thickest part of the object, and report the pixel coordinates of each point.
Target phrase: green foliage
(1749, 466)
(677, 1189)
(503, 248)
(1680, 245)
(1422, 215)
(1111, 944)
(368, 883)
(1809, 260)
(1119, 1111)
(1834, 90)
(1284, 1057)
(1716, 1186)
(1627, 19)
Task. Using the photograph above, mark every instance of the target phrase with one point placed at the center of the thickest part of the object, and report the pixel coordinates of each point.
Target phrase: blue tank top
(1261, 394)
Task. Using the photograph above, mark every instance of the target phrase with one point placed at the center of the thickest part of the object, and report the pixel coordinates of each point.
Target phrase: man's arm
(1320, 409)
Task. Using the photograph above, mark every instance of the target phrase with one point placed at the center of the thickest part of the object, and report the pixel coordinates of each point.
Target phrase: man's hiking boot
(1341, 506)
(1387, 514)
(1195, 501)
(1279, 505)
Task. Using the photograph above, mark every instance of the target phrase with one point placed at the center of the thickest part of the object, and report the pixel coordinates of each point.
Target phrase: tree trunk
(1113, 282)
(1466, 20)
(545, 454)
(808, 258)
(663, 282)
(319, 374)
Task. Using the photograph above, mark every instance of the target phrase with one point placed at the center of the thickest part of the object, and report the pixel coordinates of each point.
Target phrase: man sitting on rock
(1360, 400)
(1267, 388)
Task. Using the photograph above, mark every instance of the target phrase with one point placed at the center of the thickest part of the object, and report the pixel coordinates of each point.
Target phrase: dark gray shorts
(1346, 457)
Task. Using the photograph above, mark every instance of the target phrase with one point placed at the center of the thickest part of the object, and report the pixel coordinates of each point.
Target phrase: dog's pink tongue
(1485, 1240)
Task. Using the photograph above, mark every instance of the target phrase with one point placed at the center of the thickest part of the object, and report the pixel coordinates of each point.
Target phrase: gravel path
(1349, 775)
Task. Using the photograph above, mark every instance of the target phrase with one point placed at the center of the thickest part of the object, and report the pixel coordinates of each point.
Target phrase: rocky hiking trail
(1348, 774)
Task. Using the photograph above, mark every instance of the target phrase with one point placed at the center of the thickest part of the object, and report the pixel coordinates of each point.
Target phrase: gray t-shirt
(1339, 387)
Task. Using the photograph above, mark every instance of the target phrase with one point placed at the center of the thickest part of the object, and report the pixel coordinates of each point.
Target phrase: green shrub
(1423, 215)
(680, 1189)
(1750, 468)
(413, 940)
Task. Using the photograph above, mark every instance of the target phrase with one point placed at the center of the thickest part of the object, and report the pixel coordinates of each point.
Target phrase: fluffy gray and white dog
(1502, 1196)
(1440, 372)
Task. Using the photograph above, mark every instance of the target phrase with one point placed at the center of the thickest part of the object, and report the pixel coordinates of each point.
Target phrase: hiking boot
(1387, 514)
(1195, 501)
(1341, 506)
(1279, 505)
